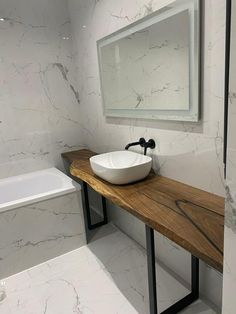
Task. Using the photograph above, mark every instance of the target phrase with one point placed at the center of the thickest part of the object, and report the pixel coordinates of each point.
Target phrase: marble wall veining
(148, 69)
(188, 152)
(39, 100)
(50, 102)
(107, 276)
(229, 280)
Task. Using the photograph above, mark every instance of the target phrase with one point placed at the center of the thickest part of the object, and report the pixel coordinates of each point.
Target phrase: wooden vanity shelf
(190, 217)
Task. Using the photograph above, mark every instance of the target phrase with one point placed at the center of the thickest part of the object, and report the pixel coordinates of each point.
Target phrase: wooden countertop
(192, 218)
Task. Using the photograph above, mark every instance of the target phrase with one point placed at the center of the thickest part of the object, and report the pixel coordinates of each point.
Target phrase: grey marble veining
(109, 276)
(230, 214)
(50, 119)
(37, 232)
(187, 152)
(39, 100)
(148, 69)
(197, 147)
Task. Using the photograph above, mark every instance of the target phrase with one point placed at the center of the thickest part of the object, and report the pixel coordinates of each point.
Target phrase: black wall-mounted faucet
(143, 143)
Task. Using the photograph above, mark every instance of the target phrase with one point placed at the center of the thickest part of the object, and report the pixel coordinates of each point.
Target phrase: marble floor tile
(107, 276)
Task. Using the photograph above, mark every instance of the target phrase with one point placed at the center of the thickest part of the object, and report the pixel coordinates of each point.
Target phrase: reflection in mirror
(150, 69)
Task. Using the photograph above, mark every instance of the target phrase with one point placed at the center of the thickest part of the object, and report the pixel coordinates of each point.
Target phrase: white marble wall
(191, 153)
(44, 110)
(39, 99)
(229, 282)
(35, 233)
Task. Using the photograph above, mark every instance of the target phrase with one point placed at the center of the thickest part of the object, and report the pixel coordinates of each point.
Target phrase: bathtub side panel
(35, 233)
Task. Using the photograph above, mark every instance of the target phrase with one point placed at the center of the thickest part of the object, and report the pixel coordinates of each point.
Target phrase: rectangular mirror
(151, 69)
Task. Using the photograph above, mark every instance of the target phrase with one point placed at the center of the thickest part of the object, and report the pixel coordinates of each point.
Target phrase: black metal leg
(87, 213)
(195, 277)
(181, 304)
(151, 270)
(193, 296)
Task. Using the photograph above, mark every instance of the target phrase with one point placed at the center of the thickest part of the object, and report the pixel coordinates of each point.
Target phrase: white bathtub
(33, 187)
(41, 217)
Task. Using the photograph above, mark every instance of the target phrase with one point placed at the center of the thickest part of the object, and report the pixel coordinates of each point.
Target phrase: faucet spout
(141, 142)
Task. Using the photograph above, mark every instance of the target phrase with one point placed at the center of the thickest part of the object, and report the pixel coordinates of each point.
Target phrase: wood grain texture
(192, 218)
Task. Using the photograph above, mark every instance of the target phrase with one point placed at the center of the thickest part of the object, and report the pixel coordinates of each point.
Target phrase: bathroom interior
(117, 156)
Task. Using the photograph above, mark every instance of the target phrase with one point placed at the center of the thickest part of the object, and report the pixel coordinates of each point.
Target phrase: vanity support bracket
(87, 213)
(151, 260)
(181, 304)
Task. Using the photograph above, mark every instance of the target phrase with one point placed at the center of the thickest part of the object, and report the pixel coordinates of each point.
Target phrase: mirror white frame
(193, 112)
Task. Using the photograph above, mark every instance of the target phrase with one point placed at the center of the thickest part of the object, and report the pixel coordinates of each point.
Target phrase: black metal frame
(181, 304)
(227, 68)
(151, 265)
(87, 213)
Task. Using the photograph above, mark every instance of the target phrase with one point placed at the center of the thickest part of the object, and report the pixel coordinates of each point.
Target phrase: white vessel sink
(121, 167)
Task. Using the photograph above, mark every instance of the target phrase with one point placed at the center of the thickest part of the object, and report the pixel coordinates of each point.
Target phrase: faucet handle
(151, 143)
(142, 141)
